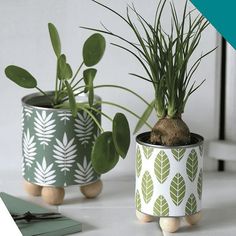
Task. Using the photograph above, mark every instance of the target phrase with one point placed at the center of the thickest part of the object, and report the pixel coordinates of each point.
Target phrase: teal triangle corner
(221, 15)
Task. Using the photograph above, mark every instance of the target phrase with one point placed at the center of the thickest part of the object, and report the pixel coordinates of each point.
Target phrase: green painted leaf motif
(178, 153)
(192, 165)
(147, 187)
(162, 167)
(199, 185)
(138, 162)
(177, 189)
(148, 151)
(138, 201)
(161, 207)
(191, 205)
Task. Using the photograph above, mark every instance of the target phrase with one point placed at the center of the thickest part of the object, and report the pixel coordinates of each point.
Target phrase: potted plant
(61, 127)
(169, 157)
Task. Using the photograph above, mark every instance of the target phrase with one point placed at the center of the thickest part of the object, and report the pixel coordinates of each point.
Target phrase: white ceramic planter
(169, 179)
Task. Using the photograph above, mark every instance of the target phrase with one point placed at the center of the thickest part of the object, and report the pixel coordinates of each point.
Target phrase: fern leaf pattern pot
(169, 179)
(56, 146)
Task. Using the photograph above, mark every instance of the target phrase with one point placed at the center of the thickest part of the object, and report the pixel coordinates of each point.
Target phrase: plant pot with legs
(169, 157)
(169, 181)
(62, 133)
(57, 149)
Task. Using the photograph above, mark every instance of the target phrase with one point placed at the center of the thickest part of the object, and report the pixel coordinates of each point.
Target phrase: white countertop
(113, 212)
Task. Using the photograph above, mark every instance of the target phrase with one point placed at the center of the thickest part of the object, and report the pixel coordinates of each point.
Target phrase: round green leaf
(55, 39)
(104, 154)
(121, 134)
(93, 49)
(20, 76)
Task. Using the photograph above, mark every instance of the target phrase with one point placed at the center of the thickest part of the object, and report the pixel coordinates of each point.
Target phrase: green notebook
(55, 227)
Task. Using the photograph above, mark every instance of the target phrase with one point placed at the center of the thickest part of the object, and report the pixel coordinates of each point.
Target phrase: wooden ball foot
(32, 189)
(53, 195)
(193, 219)
(144, 218)
(92, 190)
(169, 224)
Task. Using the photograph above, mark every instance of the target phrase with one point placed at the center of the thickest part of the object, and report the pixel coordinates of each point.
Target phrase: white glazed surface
(164, 188)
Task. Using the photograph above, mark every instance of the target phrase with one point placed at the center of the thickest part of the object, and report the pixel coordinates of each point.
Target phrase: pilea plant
(165, 58)
(109, 145)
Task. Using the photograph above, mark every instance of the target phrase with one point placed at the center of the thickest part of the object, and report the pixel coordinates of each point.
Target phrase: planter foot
(194, 219)
(92, 190)
(169, 224)
(53, 195)
(144, 218)
(32, 189)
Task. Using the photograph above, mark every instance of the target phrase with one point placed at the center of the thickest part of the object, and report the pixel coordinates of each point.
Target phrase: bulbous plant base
(55, 195)
(32, 189)
(170, 132)
(92, 190)
(144, 218)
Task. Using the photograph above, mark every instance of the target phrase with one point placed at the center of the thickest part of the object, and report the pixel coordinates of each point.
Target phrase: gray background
(24, 41)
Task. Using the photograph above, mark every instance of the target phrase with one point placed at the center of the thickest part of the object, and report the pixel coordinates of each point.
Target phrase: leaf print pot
(169, 181)
(56, 148)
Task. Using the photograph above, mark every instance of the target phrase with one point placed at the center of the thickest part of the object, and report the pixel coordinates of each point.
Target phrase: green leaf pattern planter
(56, 147)
(169, 179)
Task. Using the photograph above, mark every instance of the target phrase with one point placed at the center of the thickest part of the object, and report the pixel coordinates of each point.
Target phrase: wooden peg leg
(144, 218)
(194, 219)
(169, 224)
(32, 189)
(92, 190)
(53, 195)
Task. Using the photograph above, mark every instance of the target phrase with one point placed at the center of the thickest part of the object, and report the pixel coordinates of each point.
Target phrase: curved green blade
(144, 117)
(121, 134)
(104, 155)
(20, 76)
(93, 49)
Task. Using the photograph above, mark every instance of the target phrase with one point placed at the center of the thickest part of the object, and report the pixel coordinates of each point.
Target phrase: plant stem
(73, 86)
(98, 111)
(123, 108)
(46, 95)
(93, 117)
(56, 85)
(124, 88)
(115, 86)
(76, 73)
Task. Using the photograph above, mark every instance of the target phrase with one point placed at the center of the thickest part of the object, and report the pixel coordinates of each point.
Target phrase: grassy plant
(165, 59)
